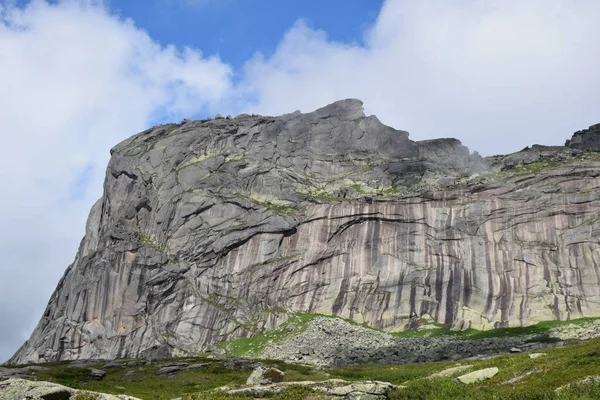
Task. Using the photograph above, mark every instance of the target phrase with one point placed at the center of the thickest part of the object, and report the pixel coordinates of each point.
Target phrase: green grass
(293, 393)
(447, 389)
(254, 346)
(145, 383)
(560, 367)
(540, 329)
(536, 167)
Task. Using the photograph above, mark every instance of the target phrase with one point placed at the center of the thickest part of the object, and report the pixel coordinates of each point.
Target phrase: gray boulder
(537, 355)
(477, 376)
(97, 374)
(450, 372)
(265, 376)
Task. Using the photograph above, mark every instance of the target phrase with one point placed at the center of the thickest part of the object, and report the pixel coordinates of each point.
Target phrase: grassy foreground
(561, 366)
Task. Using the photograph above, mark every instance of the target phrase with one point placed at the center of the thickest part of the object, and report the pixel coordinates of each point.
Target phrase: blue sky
(236, 29)
(79, 76)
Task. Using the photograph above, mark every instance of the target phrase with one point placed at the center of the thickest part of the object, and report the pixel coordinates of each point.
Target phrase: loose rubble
(332, 341)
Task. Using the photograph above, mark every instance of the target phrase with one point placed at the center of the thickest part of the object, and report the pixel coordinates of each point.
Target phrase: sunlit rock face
(216, 229)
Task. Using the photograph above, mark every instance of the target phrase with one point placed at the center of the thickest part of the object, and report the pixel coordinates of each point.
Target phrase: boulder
(477, 376)
(171, 368)
(450, 372)
(537, 355)
(265, 376)
(97, 374)
(515, 350)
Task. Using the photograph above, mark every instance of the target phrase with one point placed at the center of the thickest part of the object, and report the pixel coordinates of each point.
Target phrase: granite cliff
(223, 228)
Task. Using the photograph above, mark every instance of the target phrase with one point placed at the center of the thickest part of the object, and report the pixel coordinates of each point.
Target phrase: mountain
(222, 228)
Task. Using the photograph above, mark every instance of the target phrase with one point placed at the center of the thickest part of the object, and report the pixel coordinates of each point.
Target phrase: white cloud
(74, 81)
(499, 75)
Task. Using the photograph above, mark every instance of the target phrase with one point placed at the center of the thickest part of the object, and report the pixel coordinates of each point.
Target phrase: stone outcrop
(333, 388)
(450, 372)
(587, 139)
(477, 376)
(265, 376)
(219, 229)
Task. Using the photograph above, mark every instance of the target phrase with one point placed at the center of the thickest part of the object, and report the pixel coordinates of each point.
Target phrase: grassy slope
(253, 346)
(560, 367)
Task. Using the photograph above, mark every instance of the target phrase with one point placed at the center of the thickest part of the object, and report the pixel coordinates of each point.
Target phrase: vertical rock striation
(217, 229)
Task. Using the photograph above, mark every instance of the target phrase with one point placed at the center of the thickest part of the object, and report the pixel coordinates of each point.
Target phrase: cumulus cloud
(74, 81)
(499, 74)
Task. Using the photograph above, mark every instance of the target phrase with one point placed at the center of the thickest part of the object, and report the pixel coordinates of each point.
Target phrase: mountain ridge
(218, 229)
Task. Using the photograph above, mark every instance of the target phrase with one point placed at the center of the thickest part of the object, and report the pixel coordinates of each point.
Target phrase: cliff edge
(218, 229)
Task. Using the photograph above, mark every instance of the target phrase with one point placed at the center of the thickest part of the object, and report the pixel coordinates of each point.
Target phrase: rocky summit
(223, 228)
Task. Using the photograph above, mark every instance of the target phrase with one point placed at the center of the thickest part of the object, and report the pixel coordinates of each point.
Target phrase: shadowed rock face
(587, 139)
(217, 229)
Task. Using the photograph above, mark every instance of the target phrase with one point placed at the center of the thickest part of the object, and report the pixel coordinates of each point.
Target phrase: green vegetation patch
(254, 346)
(560, 367)
(542, 329)
(292, 393)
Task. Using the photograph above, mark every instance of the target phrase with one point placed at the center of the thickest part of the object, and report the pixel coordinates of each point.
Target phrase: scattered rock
(97, 374)
(28, 372)
(84, 363)
(241, 363)
(537, 355)
(20, 389)
(586, 380)
(265, 376)
(520, 376)
(351, 343)
(198, 365)
(171, 369)
(515, 350)
(450, 372)
(112, 364)
(134, 363)
(477, 376)
(360, 390)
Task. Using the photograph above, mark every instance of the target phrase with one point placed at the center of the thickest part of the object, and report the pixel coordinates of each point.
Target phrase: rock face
(587, 139)
(218, 229)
